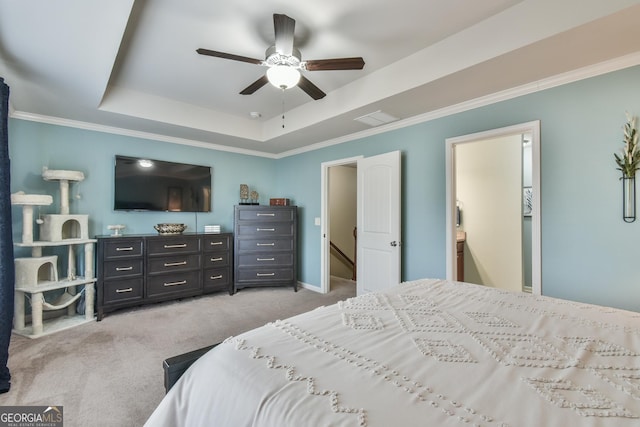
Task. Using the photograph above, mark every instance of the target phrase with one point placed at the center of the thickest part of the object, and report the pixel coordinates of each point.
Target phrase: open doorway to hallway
(339, 214)
(379, 224)
(342, 221)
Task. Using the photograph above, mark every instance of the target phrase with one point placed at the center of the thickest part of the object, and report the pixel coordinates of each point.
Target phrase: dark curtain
(7, 269)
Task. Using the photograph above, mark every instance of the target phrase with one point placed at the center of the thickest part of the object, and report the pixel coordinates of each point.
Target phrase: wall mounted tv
(143, 184)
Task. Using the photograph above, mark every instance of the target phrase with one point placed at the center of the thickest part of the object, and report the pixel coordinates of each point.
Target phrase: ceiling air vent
(376, 118)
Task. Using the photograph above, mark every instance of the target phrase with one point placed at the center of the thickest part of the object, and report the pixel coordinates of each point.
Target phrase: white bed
(425, 353)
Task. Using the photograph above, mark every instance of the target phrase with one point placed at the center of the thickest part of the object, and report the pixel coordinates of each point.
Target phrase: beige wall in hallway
(489, 188)
(342, 211)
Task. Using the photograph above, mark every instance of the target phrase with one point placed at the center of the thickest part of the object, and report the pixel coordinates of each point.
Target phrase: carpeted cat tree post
(7, 268)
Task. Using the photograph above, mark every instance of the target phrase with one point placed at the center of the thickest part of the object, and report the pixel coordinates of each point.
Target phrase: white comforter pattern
(427, 352)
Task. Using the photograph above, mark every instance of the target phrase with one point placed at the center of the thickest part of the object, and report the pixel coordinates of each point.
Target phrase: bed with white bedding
(425, 353)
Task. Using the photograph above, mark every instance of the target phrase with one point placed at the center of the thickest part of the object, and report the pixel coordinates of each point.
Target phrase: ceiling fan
(285, 62)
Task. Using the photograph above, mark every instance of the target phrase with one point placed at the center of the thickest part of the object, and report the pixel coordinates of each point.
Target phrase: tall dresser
(265, 246)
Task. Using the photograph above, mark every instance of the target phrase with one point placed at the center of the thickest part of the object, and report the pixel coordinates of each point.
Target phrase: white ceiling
(131, 66)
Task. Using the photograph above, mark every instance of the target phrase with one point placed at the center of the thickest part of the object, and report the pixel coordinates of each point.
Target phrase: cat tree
(38, 274)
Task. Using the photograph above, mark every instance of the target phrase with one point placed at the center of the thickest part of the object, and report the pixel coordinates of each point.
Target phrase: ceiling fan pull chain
(282, 108)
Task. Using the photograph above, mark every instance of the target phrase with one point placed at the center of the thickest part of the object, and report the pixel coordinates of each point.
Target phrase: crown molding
(132, 133)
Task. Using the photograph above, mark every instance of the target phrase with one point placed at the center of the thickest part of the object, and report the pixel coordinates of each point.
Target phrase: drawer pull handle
(265, 259)
(181, 282)
(180, 245)
(265, 244)
(215, 243)
(219, 276)
(216, 259)
(265, 229)
(130, 248)
(124, 268)
(175, 264)
(265, 214)
(265, 274)
(124, 291)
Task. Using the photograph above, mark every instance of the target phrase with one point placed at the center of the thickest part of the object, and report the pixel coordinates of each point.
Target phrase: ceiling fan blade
(311, 89)
(255, 86)
(335, 64)
(231, 56)
(284, 28)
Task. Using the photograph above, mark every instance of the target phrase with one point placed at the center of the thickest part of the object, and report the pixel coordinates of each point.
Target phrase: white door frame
(325, 226)
(530, 127)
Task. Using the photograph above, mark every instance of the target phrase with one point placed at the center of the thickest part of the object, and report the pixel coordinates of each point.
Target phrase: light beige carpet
(109, 373)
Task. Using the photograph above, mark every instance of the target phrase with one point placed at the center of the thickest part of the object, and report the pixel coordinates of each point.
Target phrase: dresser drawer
(168, 264)
(123, 290)
(265, 214)
(120, 247)
(173, 283)
(123, 267)
(265, 230)
(174, 245)
(216, 259)
(216, 242)
(265, 259)
(264, 275)
(216, 279)
(265, 245)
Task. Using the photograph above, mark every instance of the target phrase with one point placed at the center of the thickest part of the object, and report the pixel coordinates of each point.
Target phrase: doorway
(339, 192)
(493, 194)
(378, 198)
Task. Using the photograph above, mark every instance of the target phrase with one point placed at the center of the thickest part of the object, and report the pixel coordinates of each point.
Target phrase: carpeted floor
(109, 373)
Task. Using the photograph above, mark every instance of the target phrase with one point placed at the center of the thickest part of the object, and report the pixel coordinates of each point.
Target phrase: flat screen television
(143, 184)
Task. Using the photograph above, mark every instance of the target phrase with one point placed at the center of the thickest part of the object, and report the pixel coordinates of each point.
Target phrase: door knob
(394, 243)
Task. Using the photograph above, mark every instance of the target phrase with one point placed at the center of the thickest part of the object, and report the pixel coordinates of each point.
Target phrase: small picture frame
(527, 201)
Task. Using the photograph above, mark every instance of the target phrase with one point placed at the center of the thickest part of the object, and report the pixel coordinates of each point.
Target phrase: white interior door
(379, 222)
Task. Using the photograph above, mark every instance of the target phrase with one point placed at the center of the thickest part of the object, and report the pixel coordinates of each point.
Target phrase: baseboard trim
(310, 287)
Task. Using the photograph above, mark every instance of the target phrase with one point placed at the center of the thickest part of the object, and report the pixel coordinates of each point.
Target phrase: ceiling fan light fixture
(284, 62)
(283, 76)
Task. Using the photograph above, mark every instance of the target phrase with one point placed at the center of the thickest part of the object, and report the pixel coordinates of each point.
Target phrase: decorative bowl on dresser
(135, 270)
(265, 244)
(170, 228)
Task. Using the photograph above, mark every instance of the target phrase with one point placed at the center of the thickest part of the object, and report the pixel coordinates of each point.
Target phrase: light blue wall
(589, 253)
(34, 145)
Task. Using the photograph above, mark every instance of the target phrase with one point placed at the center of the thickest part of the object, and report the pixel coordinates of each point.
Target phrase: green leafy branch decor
(629, 161)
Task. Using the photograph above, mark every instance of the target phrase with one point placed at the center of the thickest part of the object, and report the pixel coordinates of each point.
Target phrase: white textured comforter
(426, 353)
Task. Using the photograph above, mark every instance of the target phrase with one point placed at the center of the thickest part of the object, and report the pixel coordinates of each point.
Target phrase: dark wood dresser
(265, 244)
(135, 270)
